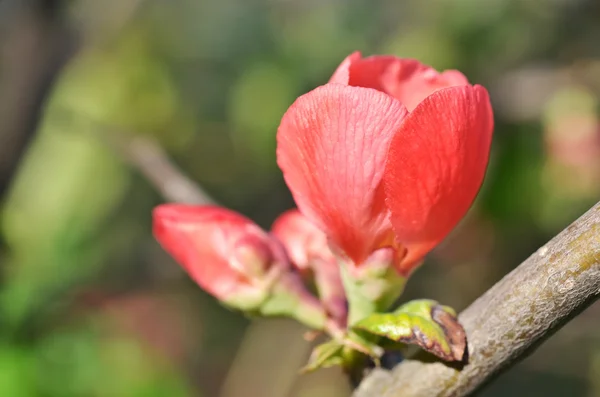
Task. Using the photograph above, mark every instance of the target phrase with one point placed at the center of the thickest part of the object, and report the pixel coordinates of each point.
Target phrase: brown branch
(151, 160)
(511, 319)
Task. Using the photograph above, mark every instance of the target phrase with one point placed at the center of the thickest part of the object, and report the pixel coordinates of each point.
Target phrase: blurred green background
(89, 303)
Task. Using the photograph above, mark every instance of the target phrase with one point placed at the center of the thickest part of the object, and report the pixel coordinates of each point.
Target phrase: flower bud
(225, 253)
(236, 261)
(251, 256)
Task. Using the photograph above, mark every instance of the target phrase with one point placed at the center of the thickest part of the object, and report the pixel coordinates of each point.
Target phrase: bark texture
(510, 320)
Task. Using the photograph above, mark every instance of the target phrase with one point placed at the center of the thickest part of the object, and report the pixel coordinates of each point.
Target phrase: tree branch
(151, 160)
(510, 320)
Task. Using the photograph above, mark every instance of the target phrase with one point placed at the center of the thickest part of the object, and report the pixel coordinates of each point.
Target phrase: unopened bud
(251, 256)
(230, 257)
(223, 251)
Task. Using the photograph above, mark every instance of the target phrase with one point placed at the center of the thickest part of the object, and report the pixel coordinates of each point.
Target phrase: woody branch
(511, 319)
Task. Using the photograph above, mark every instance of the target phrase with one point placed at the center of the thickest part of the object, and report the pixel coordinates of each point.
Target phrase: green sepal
(248, 301)
(424, 323)
(281, 295)
(372, 288)
(289, 299)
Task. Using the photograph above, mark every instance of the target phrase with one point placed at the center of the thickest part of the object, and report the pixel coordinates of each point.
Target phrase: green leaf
(363, 344)
(325, 355)
(425, 323)
(350, 353)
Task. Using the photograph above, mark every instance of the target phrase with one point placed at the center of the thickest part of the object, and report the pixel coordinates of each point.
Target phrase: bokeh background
(97, 96)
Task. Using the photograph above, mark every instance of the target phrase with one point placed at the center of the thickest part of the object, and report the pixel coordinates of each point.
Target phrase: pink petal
(411, 82)
(342, 73)
(302, 240)
(407, 80)
(202, 240)
(331, 146)
(308, 249)
(370, 72)
(435, 166)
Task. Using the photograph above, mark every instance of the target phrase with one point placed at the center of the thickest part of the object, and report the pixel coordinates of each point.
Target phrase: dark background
(89, 303)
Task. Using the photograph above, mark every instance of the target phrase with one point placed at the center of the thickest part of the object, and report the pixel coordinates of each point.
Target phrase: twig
(151, 160)
(511, 319)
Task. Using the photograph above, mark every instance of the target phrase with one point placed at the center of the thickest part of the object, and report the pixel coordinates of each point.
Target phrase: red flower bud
(225, 253)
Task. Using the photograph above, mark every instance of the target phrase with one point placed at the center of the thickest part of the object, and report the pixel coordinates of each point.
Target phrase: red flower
(390, 153)
(224, 252)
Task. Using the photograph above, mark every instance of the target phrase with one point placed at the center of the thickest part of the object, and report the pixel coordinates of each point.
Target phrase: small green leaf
(325, 355)
(363, 344)
(425, 323)
(350, 353)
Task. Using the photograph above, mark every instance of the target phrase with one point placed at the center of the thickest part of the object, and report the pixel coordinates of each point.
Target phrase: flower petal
(309, 251)
(435, 166)
(202, 239)
(407, 80)
(331, 146)
(370, 72)
(302, 240)
(342, 73)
